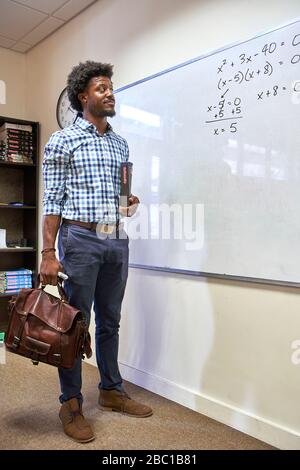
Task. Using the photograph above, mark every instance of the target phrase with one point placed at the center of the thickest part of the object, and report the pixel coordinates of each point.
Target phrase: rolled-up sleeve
(55, 164)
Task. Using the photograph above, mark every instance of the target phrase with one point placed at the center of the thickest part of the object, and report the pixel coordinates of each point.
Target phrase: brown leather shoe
(74, 423)
(114, 400)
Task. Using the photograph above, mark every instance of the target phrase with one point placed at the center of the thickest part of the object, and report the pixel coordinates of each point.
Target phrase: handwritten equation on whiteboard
(260, 70)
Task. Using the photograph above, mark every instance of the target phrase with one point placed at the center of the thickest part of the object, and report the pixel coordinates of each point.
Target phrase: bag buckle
(57, 358)
(34, 359)
(16, 342)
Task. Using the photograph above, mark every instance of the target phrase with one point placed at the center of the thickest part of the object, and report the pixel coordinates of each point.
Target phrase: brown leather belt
(93, 226)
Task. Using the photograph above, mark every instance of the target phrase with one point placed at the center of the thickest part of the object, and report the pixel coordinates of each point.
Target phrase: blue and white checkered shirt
(81, 170)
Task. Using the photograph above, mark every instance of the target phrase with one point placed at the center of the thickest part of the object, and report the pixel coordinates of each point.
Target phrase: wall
(12, 72)
(221, 348)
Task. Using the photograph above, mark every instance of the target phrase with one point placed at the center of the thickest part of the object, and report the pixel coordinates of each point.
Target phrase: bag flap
(48, 308)
(36, 346)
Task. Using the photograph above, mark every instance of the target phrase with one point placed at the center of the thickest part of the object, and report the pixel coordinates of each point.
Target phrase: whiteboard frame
(224, 276)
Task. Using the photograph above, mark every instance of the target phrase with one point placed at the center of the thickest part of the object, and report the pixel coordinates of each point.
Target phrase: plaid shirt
(81, 170)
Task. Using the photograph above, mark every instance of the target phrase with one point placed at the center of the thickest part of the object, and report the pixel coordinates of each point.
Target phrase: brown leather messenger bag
(47, 329)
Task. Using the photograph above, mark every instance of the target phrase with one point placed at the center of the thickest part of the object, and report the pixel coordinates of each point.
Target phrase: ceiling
(24, 23)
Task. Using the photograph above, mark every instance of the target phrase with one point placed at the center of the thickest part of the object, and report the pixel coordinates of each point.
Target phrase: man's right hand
(50, 266)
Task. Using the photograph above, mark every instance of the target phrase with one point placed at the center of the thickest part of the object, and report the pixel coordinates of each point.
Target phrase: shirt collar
(84, 124)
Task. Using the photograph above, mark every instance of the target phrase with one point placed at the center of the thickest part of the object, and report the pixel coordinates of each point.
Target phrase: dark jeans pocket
(64, 237)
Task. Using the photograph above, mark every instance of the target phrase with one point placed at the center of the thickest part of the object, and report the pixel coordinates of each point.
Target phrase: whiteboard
(216, 141)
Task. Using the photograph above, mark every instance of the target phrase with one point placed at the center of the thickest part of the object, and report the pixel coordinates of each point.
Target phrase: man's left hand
(132, 208)
(133, 205)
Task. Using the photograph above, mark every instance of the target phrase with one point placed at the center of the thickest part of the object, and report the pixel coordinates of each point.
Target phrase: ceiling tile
(71, 9)
(43, 30)
(46, 6)
(5, 42)
(17, 20)
(21, 47)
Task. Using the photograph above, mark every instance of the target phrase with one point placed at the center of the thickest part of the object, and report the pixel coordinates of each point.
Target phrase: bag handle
(61, 290)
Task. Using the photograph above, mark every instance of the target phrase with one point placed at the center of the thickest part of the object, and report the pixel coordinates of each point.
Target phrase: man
(82, 177)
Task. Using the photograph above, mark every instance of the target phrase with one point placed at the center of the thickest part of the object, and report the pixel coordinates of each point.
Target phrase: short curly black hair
(80, 76)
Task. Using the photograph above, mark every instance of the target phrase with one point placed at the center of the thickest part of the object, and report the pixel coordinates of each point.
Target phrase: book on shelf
(16, 204)
(12, 291)
(20, 127)
(21, 283)
(17, 137)
(18, 272)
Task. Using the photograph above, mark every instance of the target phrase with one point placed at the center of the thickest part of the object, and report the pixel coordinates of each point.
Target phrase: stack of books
(13, 281)
(16, 143)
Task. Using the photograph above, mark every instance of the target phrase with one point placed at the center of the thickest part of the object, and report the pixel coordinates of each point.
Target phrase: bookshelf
(19, 182)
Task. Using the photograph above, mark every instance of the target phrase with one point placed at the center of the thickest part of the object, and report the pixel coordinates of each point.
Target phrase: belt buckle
(107, 229)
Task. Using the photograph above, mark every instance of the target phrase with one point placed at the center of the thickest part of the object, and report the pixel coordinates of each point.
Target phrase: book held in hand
(126, 179)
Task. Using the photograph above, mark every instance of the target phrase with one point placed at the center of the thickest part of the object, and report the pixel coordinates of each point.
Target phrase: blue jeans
(97, 270)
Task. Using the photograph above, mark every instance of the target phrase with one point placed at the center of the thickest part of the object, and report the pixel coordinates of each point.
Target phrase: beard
(110, 113)
(100, 113)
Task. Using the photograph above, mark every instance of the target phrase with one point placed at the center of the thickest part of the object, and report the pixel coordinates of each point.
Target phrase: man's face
(98, 98)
